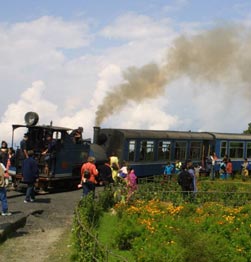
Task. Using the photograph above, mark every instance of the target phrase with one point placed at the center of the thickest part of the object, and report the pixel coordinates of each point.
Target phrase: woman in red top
(229, 168)
(89, 173)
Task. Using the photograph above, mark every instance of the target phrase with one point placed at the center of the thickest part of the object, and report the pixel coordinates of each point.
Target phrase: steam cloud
(213, 56)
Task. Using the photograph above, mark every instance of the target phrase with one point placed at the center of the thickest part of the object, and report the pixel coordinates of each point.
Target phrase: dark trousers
(88, 187)
(30, 192)
(3, 198)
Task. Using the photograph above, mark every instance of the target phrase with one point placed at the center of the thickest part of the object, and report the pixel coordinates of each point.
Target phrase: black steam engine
(69, 153)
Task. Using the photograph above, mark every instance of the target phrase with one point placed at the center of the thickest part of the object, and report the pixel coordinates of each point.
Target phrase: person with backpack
(89, 174)
(185, 180)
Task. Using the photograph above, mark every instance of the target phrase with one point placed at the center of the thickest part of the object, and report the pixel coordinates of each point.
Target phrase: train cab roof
(45, 127)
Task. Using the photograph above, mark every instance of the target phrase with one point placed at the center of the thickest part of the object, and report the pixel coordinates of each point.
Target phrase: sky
(162, 65)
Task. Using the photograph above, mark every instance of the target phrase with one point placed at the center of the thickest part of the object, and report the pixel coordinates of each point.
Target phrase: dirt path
(29, 247)
(43, 230)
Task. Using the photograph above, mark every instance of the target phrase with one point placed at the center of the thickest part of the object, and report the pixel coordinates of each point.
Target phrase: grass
(107, 228)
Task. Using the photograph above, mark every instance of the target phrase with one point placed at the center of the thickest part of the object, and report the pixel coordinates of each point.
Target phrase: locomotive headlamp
(31, 118)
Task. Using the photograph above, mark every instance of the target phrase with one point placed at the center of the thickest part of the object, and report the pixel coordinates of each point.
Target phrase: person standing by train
(114, 164)
(185, 180)
(191, 171)
(245, 167)
(123, 171)
(4, 152)
(89, 174)
(30, 174)
(4, 159)
(3, 191)
(213, 158)
(105, 174)
(168, 171)
(223, 166)
(178, 166)
(131, 182)
(229, 169)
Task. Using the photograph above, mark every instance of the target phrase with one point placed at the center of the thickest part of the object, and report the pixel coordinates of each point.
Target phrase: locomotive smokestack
(96, 130)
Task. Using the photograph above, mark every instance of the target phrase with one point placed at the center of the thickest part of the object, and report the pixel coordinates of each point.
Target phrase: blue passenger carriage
(235, 146)
(147, 151)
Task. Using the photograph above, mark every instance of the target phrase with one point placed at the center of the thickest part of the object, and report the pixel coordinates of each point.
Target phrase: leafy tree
(248, 131)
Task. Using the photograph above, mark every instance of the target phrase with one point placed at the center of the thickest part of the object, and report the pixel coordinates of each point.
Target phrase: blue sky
(61, 58)
(105, 11)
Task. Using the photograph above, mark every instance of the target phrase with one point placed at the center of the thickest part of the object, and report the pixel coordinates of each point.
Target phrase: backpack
(2, 178)
(87, 173)
(115, 166)
(185, 180)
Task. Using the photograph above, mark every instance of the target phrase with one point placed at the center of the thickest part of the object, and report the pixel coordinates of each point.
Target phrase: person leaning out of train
(30, 175)
(77, 135)
(50, 153)
(89, 173)
(24, 147)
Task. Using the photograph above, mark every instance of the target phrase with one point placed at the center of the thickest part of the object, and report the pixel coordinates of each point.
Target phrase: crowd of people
(188, 173)
(110, 172)
(29, 168)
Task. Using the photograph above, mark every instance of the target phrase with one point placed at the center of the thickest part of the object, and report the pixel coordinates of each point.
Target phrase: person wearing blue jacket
(30, 174)
(168, 171)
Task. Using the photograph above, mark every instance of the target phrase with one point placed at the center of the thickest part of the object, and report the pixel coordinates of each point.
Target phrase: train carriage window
(146, 150)
(195, 150)
(248, 150)
(164, 150)
(180, 150)
(236, 149)
(223, 149)
(132, 145)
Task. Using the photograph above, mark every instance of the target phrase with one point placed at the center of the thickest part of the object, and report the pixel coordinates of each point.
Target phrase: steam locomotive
(69, 155)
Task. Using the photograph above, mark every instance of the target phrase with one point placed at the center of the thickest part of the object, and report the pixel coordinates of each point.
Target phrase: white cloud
(31, 99)
(134, 26)
(175, 6)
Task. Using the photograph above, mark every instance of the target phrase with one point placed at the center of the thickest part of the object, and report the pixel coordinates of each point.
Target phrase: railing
(224, 192)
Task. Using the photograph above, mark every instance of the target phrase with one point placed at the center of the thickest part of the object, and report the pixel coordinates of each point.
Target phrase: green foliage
(160, 226)
(248, 131)
(85, 225)
(126, 232)
(157, 231)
